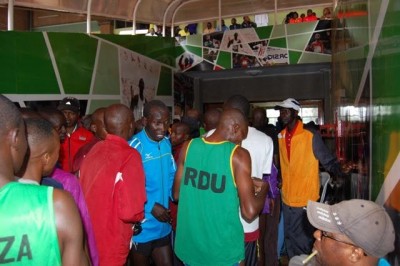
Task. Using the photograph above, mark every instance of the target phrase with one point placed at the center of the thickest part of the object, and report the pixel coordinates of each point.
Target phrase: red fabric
(71, 145)
(252, 236)
(295, 20)
(310, 18)
(176, 150)
(288, 139)
(81, 154)
(317, 46)
(113, 182)
(173, 207)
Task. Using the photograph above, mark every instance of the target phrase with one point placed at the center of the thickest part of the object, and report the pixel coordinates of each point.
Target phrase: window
(311, 110)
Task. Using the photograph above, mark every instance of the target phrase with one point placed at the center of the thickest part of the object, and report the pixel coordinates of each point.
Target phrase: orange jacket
(300, 175)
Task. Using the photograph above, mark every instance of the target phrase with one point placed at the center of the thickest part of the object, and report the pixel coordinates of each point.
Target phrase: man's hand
(161, 213)
(338, 181)
(259, 185)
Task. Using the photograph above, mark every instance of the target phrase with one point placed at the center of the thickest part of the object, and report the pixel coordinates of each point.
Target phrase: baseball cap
(69, 103)
(288, 103)
(364, 222)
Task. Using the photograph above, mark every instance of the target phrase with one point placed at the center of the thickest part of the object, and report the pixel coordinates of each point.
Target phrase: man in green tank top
(213, 179)
(38, 225)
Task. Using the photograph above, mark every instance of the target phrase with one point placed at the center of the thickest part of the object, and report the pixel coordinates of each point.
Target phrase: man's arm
(69, 230)
(324, 155)
(251, 201)
(160, 212)
(179, 171)
(229, 43)
(129, 190)
(327, 159)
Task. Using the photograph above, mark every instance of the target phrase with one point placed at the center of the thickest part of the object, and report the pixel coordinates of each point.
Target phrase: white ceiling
(152, 11)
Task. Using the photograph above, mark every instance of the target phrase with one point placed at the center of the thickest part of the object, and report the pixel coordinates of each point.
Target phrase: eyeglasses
(325, 234)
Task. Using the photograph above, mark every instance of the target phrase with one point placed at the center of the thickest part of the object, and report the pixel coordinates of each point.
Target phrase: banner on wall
(259, 47)
(276, 56)
(237, 41)
(139, 78)
(187, 60)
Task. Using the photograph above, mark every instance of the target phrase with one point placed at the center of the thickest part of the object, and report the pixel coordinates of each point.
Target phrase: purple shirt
(71, 184)
(273, 192)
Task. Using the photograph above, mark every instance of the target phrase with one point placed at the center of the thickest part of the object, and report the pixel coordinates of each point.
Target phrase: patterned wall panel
(260, 47)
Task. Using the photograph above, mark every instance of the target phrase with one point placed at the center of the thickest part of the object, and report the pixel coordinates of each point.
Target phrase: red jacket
(71, 145)
(113, 182)
(81, 154)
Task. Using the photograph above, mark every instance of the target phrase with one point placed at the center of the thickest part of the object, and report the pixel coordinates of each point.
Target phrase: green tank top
(28, 234)
(209, 231)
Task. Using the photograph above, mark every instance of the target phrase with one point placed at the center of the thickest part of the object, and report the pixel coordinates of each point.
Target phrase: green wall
(41, 66)
(366, 94)
(47, 66)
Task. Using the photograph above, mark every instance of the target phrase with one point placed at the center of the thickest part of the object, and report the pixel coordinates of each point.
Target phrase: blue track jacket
(159, 167)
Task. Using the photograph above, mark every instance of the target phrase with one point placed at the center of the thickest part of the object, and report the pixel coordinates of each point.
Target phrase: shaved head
(211, 118)
(238, 102)
(44, 146)
(192, 118)
(99, 114)
(29, 113)
(259, 117)
(193, 113)
(39, 130)
(53, 115)
(180, 132)
(182, 126)
(13, 140)
(97, 125)
(10, 116)
(118, 120)
(153, 105)
(233, 125)
(231, 116)
(56, 118)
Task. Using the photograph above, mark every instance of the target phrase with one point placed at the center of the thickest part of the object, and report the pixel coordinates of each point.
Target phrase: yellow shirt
(184, 33)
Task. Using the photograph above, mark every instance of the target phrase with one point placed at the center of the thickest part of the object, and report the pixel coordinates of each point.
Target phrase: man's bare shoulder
(62, 199)
(240, 153)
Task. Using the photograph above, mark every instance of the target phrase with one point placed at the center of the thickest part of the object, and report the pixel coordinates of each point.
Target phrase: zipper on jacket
(162, 175)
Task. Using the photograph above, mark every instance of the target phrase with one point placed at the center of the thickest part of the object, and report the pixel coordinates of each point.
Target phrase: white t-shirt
(261, 149)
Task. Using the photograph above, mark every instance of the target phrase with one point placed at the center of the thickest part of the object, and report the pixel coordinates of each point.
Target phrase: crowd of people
(293, 17)
(155, 31)
(209, 27)
(193, 192)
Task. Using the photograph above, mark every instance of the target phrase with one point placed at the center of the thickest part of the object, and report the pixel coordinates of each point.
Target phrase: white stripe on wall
(390, 182)
(54, 63)
(96, 63)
